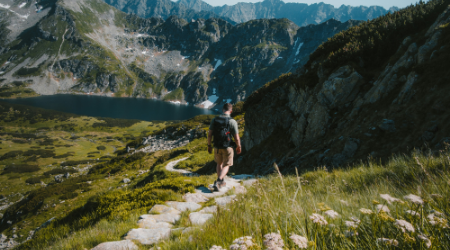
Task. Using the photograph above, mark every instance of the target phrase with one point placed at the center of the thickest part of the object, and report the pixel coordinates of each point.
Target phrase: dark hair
(227, 106)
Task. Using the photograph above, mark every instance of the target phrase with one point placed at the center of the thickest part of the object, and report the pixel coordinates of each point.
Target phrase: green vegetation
(287, 204)
(15, 90)
(196, 161)
(176, 95)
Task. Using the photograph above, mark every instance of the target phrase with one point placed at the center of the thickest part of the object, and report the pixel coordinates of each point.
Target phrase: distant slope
(300, 13)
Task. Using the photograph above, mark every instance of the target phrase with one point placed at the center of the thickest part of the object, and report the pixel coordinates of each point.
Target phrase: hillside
(374, 90)
(89, 47)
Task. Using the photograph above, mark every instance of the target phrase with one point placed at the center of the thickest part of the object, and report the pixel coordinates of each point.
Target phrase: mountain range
(88, 46)
(299, 13)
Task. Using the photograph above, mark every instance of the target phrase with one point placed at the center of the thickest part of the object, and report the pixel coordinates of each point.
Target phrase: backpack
(221, 132)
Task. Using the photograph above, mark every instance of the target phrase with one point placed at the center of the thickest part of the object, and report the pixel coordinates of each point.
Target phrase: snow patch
(219, 62)
(227, 100)
(4, 6)
(214, 91)
(251, 80)
(175, 102)
(22, 5)
(211, 100)
(298, 49)
(178, 65)
(280, 57)
(140, 35)
(2, 72)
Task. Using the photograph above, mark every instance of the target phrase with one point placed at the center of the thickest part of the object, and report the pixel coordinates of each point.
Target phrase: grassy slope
(285, 203)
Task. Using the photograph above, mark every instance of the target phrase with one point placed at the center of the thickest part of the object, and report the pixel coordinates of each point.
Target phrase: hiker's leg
(219, 160)
(227, 162)
(224, 172)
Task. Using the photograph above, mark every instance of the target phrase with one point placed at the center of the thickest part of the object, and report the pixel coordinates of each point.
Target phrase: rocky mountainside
(300, 13)
(372, 91)
(162, 9)
(87, 46)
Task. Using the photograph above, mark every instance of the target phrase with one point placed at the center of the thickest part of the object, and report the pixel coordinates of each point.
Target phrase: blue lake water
(124, 108)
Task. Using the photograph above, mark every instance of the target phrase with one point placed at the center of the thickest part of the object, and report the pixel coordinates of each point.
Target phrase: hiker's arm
(237, 139)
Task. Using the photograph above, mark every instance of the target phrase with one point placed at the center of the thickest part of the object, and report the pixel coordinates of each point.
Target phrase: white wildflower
(425, 239)
(404, 226)
(390, 199)
(344, 203)
(355, 220)
(300, 241)
(318, 219)
(413, 213)
(350, 233)
(387, 241)
(436, 219)
(366, 211)
(217, 248)
(351, 224)
(273, 241)
(414, 199)
(242, 243)
(383, 208)
(332, 214)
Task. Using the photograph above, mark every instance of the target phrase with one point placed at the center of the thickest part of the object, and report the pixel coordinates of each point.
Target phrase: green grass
(176, 95)
(284, 204)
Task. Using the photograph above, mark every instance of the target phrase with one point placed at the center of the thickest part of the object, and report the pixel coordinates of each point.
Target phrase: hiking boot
(215, 187)
(221, 184)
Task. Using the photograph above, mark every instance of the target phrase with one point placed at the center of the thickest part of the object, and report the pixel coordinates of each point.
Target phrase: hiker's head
(227, 108)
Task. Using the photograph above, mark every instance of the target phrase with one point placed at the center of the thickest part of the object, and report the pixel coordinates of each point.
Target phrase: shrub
(101, 148)
(11, 154)
(57, 171)
(68, 196)
(68, 154)
(34, 180)
(21, 168)
(111, 122)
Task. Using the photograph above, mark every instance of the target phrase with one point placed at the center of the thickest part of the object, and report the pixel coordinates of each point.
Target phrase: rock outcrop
(343, 115)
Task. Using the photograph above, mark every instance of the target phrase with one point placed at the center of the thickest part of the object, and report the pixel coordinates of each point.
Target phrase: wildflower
(413, 213)
(350, 233)
(404, 226)
(351, 224)
(385, 217)
(425, 239)
(318, 219)
(390, 199)
(323, 207)
(300, 241)
(436, 220)
(344, 203)
(366, 211)
(273, 241)
(414, 199)
(383, 208)
(242, 243)
(387, 241)
(332, 214)
(216, 248)
(375, 202)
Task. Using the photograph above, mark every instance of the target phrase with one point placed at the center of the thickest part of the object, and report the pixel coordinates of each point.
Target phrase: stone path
(159, 222)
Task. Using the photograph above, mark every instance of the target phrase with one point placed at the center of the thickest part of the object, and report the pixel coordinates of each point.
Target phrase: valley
(344, 128)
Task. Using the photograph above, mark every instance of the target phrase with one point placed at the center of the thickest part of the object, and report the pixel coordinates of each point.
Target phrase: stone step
(163, 209)
(184, 206)
(148, 236)
(195, 197)
(117, 245)
(222, 201)
(197, 218)
(169, 218)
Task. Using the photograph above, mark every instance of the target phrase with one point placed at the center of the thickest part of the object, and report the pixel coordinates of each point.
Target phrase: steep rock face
(346, 115)
(301, 14)
(162, 9)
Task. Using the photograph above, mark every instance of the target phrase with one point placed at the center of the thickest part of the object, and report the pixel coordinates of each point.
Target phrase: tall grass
(286, 204)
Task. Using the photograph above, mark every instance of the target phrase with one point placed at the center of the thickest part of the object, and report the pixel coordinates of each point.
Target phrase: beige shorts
(224, 156)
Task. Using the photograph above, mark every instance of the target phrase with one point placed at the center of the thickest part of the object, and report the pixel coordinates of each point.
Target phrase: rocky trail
(159, 223)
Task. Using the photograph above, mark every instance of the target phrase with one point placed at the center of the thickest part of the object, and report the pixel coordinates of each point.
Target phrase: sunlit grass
(286, 204)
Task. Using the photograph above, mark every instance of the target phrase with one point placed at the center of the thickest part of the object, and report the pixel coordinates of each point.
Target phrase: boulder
(387, 125)
(59, 178)
(163, 209)
(148, 236)
(126, 180)
(169, 217)
(209, 210)
(350, 147)
(117, 245)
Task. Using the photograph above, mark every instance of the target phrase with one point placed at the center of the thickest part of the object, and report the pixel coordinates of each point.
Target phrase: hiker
(223, 128)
